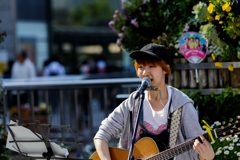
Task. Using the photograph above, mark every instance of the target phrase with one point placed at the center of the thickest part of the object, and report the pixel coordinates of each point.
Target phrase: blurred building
(90, 38)
(27, 25)
(63, 28)
(7, 23)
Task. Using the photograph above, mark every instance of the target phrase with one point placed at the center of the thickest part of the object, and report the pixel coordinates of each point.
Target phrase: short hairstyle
(148, 60)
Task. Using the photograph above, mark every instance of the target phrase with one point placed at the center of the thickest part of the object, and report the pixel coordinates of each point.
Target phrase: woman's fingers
(201, 147)
(198, 146)
(205, 142)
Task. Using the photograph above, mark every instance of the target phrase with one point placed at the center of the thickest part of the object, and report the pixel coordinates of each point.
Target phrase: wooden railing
(209, 76)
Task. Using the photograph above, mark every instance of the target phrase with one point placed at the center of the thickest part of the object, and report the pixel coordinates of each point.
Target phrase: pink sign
(193, 46)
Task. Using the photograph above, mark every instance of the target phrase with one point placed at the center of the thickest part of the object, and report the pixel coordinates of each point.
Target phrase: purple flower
(186, 28)
(114, 17)
(122, 4)
(121, 35)
(111, 23)
(116, 12)
(124, 28)
(125, 17)
(134, 22)
(119, 42)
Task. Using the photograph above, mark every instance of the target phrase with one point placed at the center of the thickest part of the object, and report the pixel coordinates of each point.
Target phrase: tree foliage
(90, 14)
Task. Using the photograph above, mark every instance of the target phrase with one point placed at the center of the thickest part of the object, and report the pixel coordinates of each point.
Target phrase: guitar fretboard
(172, 152)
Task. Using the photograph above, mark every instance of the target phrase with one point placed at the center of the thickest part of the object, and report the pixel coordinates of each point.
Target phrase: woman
(191, 43)
(153, 61)
(186, 43)
(198, 44)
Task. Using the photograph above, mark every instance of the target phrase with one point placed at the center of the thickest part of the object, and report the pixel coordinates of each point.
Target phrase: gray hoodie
(118, 122)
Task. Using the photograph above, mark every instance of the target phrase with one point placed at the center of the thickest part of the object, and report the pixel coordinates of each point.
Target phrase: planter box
(41, 118)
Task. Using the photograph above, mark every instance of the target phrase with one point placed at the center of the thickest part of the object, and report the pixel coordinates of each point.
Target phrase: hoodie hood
(179, 99)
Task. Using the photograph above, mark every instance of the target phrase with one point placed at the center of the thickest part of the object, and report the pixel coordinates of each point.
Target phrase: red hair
(160, 63)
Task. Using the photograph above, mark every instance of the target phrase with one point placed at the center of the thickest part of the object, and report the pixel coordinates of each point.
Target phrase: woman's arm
(193, 129)
(102, 149)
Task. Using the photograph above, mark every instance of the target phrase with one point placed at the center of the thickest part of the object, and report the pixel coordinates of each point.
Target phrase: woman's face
(153, 72)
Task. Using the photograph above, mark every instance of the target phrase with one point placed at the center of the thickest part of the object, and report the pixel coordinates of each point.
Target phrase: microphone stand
(130, 157)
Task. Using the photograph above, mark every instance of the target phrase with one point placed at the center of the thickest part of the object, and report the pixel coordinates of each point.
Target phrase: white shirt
(154, 121)
(23, 70)
(54, 68)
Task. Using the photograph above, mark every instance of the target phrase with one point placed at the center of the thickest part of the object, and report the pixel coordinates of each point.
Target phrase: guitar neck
(177, 150)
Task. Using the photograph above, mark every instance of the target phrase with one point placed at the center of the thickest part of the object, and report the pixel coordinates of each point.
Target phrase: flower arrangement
(227, 147)
(151, 21)
(221, 26)
(25, 109)
(4, 154)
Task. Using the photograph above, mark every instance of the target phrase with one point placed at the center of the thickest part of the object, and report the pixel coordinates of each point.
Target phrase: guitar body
(144, 148)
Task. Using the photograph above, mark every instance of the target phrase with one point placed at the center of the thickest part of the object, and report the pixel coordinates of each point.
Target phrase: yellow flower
(210, 8)
(226, 7)
(217, 17)
(2, 124)
(220, 22)
(218, 64)
(210, 18)
(235, 36)
(213, 56)
(230, 67)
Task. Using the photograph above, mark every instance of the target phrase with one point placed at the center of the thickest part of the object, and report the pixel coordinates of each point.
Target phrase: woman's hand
(204, 149)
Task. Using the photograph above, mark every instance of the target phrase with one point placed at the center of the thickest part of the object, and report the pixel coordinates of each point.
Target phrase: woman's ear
(167, 68)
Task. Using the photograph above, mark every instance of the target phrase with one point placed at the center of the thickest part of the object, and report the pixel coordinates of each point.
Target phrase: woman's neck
(156, 95)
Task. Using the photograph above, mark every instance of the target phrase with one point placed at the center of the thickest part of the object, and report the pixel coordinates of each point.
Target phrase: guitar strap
(174, 127)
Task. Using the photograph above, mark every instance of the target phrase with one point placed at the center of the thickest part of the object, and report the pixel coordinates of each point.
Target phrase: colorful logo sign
(193, 46)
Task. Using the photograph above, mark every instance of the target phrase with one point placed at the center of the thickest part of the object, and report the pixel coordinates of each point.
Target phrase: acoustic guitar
(147, 149)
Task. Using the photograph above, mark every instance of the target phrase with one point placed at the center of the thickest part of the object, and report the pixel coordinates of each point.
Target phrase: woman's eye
(151, 66)
(140, 66)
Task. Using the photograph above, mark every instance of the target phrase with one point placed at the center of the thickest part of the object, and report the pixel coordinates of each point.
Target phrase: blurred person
(85, 67)
(54, 68)
(198, 43)
(101, 65)
(192, 42)
(23, 67)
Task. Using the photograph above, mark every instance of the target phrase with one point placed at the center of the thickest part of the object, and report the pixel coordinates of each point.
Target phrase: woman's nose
(145, 72)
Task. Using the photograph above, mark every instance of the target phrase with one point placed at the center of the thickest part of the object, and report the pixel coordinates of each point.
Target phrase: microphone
(145, 83)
